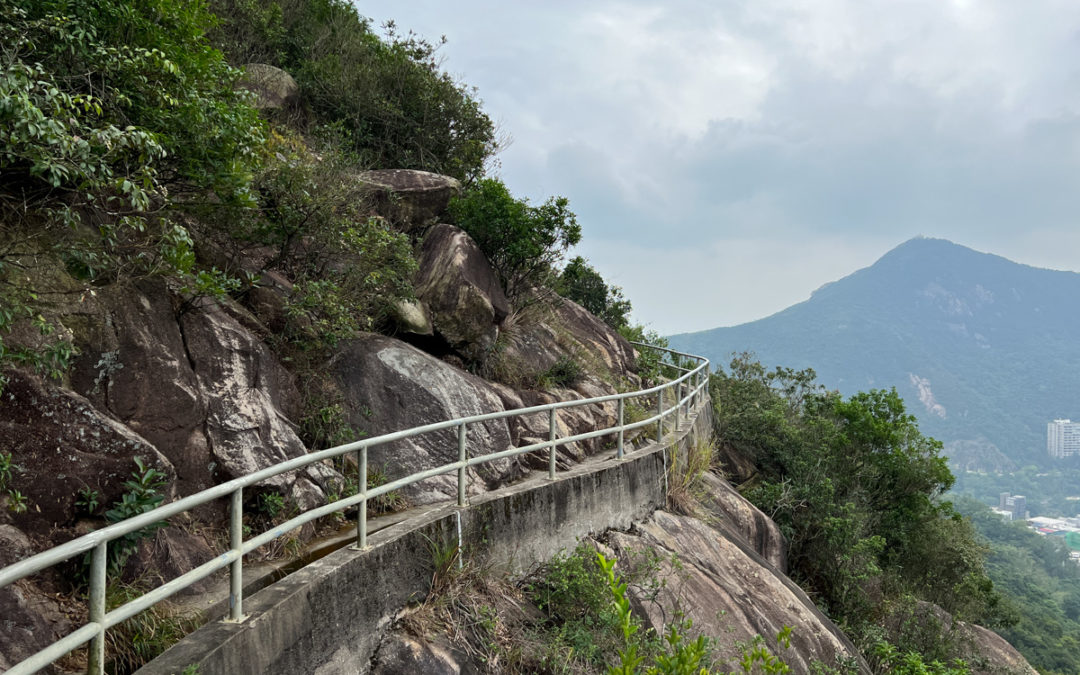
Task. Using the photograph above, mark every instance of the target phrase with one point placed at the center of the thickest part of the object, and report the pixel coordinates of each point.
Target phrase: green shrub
(522, 242)
(109, 111)
(855, 488)
(566, 372)
(143, 495)
(398, 108)
(117, 99)
(348, 269)
(581, 283)
(649, 361)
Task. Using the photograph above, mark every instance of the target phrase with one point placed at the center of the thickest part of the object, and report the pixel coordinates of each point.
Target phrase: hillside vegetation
(856, 489)
(128, 150)
(1041, 585)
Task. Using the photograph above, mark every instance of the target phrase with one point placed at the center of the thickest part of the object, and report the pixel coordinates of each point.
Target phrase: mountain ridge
(979, 346)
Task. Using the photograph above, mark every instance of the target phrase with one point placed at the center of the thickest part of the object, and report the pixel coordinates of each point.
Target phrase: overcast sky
(726, 158)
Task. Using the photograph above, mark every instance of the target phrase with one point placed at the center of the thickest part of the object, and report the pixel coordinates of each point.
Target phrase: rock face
(403, 655)
(728, 511)
(986, 652)
(61, 444)
(458, 285)
(546, 333)
(273, 87)
(245, 390)
(990, 654)
(729, 593)
(411, 199)
(31, 619)
(390, 386)
(202, 388)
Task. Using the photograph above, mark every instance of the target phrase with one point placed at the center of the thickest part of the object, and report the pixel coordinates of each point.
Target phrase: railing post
(551, 448)
(619, 451)
(236, 570)
(678, 405)
(95, 664)
(660, 420)
(361, 480)
(461, 434)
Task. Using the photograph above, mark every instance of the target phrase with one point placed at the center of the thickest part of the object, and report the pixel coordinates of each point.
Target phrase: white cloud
(785, 143)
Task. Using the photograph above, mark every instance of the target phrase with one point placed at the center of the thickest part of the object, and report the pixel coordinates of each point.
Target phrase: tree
(522, 242)
(855, 487)
(580, 282)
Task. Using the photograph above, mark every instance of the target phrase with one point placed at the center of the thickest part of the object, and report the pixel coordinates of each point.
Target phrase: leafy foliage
(390, 96)
(580, 282)
(143, 495)
(522, 242)
(856, 490)
(649, 361)
(679, 656)
(109, 110)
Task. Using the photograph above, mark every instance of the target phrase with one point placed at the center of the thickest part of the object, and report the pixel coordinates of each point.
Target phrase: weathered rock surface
(29, 619)
(134, 363)
(410, 199)
(273, 87)
(729, 592)
(389, 385)
(245, 389)
(989, 654)
(985, 652)
(728, 511)
(202, 388)
(61, 444)
(458, 285)
(556, 329)
(412, 317)
(401, 654)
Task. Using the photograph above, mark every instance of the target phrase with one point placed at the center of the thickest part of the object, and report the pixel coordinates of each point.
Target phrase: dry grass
(684, 476)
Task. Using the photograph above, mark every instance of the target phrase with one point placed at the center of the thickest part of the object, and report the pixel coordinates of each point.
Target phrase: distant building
(1015, 505)
(1003, 514)
(1063, 438)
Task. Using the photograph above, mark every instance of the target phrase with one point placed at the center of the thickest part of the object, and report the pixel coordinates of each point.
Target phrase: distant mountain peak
(995, 337)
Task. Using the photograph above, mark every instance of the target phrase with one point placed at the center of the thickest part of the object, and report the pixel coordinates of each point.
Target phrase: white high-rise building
(1063, 438)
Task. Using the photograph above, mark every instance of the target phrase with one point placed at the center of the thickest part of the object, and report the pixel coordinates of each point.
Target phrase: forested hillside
(1041, 586)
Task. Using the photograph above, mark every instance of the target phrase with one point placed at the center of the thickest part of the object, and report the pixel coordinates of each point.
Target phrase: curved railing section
(692, 377)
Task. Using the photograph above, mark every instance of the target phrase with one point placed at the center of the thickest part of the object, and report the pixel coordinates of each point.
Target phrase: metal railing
(687, 388)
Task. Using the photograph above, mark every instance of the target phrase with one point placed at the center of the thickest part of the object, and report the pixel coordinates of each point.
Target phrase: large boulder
(60, 445)
(552, 331)
(410, 199)
(985, 652)
(989, 654)
(134, 363)
(246, 390)
(201, 387)
(273, 87)
(459, 287)
(729, 592)
(389, 386)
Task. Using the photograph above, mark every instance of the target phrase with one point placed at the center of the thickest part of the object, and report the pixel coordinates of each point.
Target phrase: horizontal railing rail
(687, 386)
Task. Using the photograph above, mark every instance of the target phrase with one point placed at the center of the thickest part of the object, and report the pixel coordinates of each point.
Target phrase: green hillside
(983, 349)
